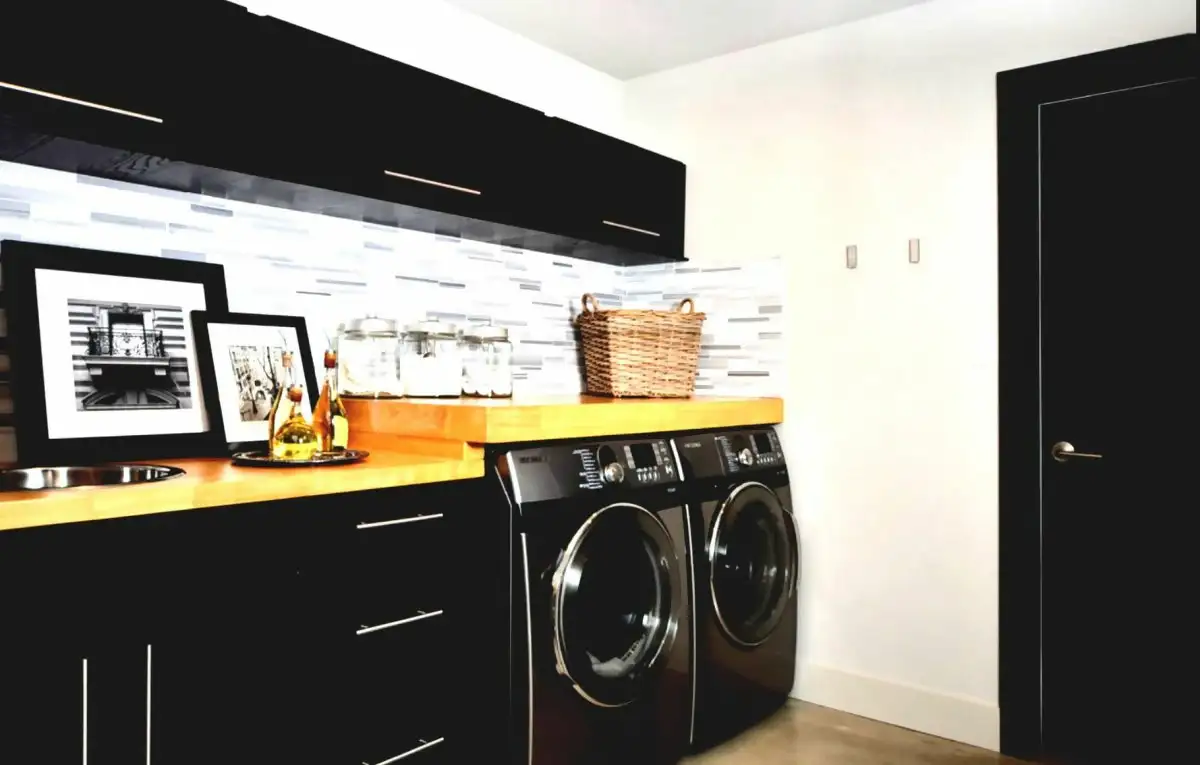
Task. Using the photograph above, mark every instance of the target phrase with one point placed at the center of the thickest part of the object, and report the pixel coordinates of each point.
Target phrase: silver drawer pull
(439, 184)
(389, 625)
(79, 102)
(425, 745)
(614, 224)
(85, 711)
(398, 521)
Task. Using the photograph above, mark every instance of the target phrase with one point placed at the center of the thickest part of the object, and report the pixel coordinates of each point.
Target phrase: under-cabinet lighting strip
(419, 179)
(389, 625)
(614, 224)
(411, 752)
(398, 521)
(79, 102)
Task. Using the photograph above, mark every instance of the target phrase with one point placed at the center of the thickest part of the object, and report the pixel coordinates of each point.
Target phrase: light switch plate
(852, 256)
(914, 250)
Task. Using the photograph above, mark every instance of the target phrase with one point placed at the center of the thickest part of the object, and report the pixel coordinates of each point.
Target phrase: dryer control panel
(730, 452)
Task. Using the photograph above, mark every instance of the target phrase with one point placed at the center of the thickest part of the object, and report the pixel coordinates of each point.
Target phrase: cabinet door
(72, 677)
(99, 78)
(246, 650)
(609, 191)
(436, 144)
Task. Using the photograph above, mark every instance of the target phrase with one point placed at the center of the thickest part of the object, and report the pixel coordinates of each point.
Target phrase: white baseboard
(959, 718)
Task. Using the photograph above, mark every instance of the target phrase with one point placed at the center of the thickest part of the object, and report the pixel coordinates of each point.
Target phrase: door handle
(1064, 450)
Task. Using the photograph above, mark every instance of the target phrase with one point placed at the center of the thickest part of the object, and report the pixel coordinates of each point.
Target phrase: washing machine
(601, 638)
(746, 563)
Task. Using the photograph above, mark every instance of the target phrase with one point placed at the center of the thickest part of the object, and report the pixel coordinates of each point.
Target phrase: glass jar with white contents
(487, 362)
(476, 379)
(499, 354)
(367, 358)
(431, 364)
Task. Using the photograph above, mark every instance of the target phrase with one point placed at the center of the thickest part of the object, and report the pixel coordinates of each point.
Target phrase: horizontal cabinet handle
(411, 752)
(79, 102)
(398, 521)
(439, 184)
(389, 625)
(645, 231)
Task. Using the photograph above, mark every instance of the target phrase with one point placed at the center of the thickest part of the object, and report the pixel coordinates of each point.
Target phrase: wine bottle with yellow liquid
(278, 400)
(296, 440)
(329, 417)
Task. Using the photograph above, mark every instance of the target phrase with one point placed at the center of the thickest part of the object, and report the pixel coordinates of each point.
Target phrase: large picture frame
(103, 359)
(240, 365)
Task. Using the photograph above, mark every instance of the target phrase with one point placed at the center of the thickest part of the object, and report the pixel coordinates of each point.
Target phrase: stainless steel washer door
(754, 557)
(615, 617)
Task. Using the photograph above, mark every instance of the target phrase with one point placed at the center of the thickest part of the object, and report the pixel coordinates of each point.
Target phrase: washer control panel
(565, 470)
(635, 463)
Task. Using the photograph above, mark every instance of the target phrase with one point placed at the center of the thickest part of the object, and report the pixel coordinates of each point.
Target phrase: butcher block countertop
(546, 418)
(412, 441)
(215, 482)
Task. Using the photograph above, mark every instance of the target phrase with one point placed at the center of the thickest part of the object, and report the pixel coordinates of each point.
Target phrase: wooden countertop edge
(215, 482)
(551, 418)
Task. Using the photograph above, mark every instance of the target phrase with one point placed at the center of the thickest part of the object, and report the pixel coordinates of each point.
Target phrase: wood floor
(812, 735)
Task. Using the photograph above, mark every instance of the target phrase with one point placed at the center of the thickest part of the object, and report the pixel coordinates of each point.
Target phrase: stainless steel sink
(33, 479)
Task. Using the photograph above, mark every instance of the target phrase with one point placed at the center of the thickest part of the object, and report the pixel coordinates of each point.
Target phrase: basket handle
(691, 306)
(590, 303)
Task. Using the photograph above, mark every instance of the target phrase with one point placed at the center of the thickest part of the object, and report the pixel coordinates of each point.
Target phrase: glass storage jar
(499, 353)
(431, 363)
(368, 356)
(475, 374)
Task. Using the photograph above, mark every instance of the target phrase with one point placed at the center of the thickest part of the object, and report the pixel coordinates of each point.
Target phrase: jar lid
(433, 328)
(371, 325)
(489, 332)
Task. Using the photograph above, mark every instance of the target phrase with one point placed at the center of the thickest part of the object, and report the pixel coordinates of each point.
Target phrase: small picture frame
(241, 363)
(103, 360)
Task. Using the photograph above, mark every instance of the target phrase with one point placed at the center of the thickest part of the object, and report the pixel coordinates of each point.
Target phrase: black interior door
(1117, 212)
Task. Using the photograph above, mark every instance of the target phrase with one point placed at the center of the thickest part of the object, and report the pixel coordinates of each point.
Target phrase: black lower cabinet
(308, 631)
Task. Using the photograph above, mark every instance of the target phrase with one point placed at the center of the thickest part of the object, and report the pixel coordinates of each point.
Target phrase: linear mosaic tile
(330, 270)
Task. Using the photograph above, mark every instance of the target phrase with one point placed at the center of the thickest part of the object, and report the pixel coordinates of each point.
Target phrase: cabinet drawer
(399, 567)
(402, 681)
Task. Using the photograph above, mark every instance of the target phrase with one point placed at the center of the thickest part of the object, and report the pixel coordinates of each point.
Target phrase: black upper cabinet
(606, 190)
(210, 97)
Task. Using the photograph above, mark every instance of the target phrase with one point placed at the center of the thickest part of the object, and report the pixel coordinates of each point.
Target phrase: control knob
(746, 457)
(613, 472)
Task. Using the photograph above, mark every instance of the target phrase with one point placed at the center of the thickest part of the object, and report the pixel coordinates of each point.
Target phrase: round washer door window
(754, 557)
(614, 604)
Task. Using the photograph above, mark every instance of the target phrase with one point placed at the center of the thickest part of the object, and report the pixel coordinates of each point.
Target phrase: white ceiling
(629, 38)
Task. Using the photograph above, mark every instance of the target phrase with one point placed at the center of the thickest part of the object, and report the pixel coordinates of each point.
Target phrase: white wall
(869, 134)
(440, 38)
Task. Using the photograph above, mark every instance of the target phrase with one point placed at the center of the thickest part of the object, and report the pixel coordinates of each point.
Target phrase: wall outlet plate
(914, 250)
(852, 256)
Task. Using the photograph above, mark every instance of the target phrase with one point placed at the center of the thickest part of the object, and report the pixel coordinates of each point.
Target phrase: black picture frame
(208, 374)
(19, 263)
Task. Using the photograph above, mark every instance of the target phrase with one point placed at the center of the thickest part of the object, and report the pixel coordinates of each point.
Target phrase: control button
(614, 473)
(746, 457)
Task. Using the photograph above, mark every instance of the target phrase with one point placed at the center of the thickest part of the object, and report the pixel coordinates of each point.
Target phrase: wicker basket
(644, 353)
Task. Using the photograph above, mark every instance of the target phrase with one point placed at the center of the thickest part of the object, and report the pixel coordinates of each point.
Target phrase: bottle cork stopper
(287, 359)
(330, 359)
(295, 394)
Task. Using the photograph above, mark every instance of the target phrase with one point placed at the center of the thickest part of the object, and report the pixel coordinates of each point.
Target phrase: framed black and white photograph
(241, 367)
(104, 359)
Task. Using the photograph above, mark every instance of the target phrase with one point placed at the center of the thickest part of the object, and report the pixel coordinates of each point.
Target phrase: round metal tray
(322, 459)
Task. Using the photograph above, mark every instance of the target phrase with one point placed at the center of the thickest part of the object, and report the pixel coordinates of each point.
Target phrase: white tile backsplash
(330, 269)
